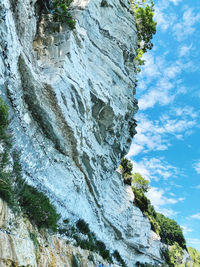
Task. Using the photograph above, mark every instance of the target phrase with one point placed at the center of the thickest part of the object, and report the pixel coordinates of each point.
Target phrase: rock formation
(72, 105)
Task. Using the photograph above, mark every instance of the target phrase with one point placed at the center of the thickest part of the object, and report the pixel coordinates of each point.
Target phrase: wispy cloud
(165, 19)
(196, 166)
(154, 168)
(186, 229)
(186, 26)
(184, 50)
(159, 200)
(165, 79)
(195, 216)
(155, 135)
(167, 212)
(175, 2)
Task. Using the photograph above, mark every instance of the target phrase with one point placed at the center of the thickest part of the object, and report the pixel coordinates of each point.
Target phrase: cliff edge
(71, 96)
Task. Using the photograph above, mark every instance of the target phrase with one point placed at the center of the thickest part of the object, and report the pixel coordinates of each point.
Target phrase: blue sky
(166, 149)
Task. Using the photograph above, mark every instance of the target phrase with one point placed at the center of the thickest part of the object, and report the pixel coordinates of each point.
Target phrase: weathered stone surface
(22, 245)
(72, 105)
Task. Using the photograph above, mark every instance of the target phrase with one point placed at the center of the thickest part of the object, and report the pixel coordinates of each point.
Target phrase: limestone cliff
(71, 95)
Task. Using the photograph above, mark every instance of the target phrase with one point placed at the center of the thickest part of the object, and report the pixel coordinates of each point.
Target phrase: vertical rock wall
(71, 95)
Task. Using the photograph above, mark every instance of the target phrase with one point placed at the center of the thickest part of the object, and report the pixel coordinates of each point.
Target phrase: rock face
(22, 245)
(71, 95)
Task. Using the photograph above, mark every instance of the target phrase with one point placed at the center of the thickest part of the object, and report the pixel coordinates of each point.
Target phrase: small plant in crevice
(86, 239)
(33, 237)
(91, 258)
(60, 11)
(118, 257)
(83, 226)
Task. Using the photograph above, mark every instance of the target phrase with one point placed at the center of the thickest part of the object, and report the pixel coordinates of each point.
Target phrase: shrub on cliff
(38, 208)
(126, 168)
(195, 255)
(6, 188)
(13, 188)
(140, 183)
(170, 232)
(146, 28)
(3, 116)
(60, 10)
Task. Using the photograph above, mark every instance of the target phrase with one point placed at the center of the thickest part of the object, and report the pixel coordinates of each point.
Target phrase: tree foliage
(195, 255)
(126, 166)
(170, 232)
(3, 116)
(140, 183)
(176, 255)
(146, 28)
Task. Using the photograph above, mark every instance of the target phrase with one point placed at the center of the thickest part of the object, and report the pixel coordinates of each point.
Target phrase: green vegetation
(60, 10)
(89, 240)
(195, 255)
(173, 256)
(33, 237)
(126, 168)
(14, 189)
(117, 256)
(83, 226)
(146, 27)
(38, 208)
(140, 183)
(176, 255)
(6, 189)
(170, 232)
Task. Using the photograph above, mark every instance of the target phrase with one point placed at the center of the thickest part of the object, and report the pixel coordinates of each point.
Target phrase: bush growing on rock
(170, 232)
(14, 189)
(38, 208)
(146, 28)
(60, 10)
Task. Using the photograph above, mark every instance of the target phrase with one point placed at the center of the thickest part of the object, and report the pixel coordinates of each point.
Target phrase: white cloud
(186, 229)
(164, 76)
(198, 186)
(154, 168)
(161, 96)
(164, 20)
(155, 135)
(175, 2)
(196, 216)
(185, 111)
(158, 199)
(186, 26)
(196, 166)
(184, 50)
(167, 212)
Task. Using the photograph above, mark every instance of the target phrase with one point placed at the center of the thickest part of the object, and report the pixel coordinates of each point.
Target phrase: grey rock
(71, 95)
